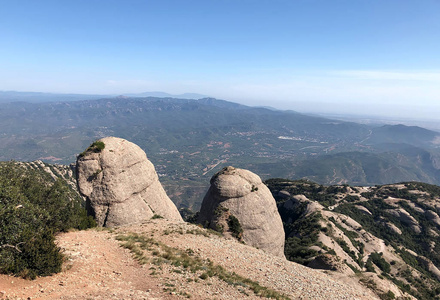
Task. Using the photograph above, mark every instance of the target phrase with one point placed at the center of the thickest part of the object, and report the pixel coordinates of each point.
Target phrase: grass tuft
(186, 261)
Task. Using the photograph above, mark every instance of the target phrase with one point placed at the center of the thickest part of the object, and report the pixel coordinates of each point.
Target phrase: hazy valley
(189, 140)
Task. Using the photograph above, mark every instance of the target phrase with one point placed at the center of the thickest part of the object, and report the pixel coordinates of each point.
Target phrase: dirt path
(99, 268)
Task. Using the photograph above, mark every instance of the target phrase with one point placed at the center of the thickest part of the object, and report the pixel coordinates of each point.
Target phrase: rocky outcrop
(430, 266)
(384, 222)
(240, 194)
(406, 218)
(121, 184)
(393, 228)
(363, 209)
(432, 216)
(284, 194)
(329, 262)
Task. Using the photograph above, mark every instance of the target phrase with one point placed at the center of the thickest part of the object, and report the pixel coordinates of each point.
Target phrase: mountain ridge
(190, 140)
(41, 97)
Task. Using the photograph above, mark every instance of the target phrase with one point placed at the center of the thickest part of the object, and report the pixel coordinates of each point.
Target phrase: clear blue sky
(355, 55)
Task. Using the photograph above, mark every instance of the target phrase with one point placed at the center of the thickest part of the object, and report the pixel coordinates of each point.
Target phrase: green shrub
(95, 147)
(369, 266)
(296, 251)
(351, 198)
(379, 261)
(387, 296)
(33, 208)
(235, 227)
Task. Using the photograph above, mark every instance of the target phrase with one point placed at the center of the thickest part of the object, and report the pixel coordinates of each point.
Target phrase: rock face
(406, 218)
(432, 216)
(363, 209)
(329, 262)
(237, 194)
(121, 185)
(430, 266)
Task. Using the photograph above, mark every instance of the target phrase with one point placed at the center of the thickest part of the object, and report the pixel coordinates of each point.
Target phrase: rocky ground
(97, 267)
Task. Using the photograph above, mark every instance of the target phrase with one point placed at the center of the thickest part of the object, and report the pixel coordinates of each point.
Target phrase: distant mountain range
(166, 95)
(36, 97)
(189, 140)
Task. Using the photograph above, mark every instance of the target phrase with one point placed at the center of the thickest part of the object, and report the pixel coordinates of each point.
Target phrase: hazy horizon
(353, 116)
(339, 57)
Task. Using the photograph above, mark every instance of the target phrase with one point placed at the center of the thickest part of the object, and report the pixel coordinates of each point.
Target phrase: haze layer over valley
(189, 140)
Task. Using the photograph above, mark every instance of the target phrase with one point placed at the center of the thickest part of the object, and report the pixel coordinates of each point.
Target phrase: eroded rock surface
(432, 216)
(240, 194)
(121, 184)
(329, 262)
(406, 218)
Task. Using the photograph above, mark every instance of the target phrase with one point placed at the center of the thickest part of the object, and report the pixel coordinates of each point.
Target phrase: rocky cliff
(239, 204)
(121, 185)
(389, 236)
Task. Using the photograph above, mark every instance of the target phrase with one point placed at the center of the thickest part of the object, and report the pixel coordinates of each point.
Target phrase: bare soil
(97, 267)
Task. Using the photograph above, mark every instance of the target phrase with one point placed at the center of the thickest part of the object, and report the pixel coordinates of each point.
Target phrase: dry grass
(186, 261)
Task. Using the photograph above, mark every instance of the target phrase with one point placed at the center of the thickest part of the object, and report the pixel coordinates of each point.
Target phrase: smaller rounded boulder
(239, 204)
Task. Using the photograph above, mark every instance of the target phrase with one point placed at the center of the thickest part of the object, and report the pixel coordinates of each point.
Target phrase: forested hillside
(388, 235)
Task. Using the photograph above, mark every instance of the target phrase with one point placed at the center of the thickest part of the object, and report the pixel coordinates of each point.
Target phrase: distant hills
(166, 95)
(412, 135)
(36, 97)
(189, 140)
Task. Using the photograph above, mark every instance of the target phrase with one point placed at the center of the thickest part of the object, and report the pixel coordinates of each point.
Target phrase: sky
(352, 56)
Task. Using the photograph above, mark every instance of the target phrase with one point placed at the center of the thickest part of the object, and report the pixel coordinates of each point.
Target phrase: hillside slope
(388, 235)
(99, 268)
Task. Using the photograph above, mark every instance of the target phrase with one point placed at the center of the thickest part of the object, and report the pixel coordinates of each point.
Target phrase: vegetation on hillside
(301, 233)
(33, 208)
(413, 237)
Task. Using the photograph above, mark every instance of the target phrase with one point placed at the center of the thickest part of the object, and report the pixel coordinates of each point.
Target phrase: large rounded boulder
(121, 185)
(240, 205)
